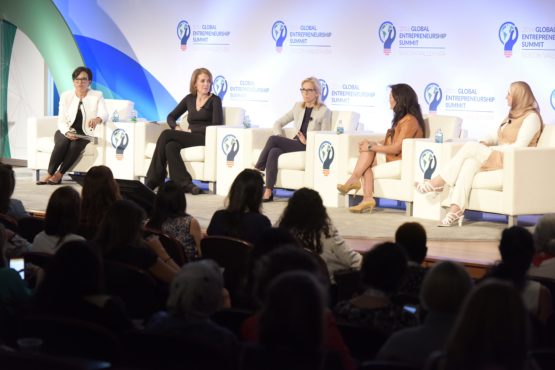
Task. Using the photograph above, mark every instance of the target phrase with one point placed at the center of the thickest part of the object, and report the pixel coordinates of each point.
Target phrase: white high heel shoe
(452, 218)
(427, 187)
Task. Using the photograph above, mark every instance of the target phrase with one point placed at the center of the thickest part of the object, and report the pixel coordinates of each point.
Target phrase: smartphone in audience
(18, 264)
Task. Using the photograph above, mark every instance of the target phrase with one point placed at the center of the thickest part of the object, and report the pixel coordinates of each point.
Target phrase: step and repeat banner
(460, 57)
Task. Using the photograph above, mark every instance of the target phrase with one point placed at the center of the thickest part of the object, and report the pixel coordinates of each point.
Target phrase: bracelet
(369, 147)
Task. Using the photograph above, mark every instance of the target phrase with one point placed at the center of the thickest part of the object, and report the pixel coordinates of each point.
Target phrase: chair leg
(408, 208)
(37, 175)
(512, 220)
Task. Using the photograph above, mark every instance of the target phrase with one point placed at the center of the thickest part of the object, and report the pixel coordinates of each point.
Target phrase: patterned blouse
(180, 228)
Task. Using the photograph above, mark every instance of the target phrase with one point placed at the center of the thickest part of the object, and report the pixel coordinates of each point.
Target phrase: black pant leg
(275, 146)
(61, 145)
(76, 147)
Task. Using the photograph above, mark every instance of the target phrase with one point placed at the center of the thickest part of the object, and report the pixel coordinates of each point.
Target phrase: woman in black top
(205, 109)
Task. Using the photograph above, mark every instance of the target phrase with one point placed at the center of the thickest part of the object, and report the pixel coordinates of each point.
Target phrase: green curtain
(7, 36)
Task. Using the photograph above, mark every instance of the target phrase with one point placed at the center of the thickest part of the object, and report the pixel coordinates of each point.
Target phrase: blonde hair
(317, 89)
(197, 72)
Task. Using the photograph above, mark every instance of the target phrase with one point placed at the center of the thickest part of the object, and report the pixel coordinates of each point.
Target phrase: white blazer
(320, 119)
(93, 106)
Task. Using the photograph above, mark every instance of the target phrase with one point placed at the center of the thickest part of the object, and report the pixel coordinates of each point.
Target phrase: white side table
(120, 149)
(329, 169)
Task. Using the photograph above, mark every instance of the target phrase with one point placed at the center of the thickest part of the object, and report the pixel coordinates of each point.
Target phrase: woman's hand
(301, 137)
(94, 122)
(71, 136)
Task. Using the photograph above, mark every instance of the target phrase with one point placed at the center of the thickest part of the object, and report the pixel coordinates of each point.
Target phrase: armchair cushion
(491, 180)
(292, 161)
(389, 170)
(193, 154)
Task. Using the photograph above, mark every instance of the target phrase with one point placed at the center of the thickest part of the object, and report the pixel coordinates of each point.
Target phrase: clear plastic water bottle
(247, 122)
(339, 128)
(439, 136)
(115, 116)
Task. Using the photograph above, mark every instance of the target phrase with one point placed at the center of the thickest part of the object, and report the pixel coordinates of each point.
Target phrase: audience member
(443, 291)
(382, 271)
(411, 236)
(9, 206)
(242, 217)
(170, 217)
(100, 191)
(491, 332)
(61, 221)
(72, 288)
(543, 263)
(120, 239)
(307, 219)
(14, 293)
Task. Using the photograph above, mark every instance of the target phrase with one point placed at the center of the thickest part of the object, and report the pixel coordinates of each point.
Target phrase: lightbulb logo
(183, 33)
(325, 90)
(326, 154)
(279, 34)
(433, 95)
(119, 140)
(230, 147)
(508, 35)
(219, 86)
(552, 100)
(387, 33)
(428, 163)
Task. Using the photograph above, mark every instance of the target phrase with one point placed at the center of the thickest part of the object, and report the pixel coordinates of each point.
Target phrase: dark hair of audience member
(7, 186)
(306, 217)
(169, 203)
(517, 250)
(245, 195)
(412, 237)
(3, 261)
(121, 227)
(383, 267)
(283, 259)
(492, 330)
(445, 288)
(74, 272)
(292, 315)
(100, 191)
(62, 212)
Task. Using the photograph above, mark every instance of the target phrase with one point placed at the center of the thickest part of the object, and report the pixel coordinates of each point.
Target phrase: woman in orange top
(407, 123)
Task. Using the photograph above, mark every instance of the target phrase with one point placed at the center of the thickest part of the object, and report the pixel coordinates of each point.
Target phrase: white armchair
(395, 180)
(523, 187)
(200, 161)
(40, 139)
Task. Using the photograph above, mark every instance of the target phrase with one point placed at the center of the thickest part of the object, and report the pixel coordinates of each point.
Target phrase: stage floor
(475, 243)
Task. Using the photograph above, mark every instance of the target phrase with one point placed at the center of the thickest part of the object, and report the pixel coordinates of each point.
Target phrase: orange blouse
(406, 128)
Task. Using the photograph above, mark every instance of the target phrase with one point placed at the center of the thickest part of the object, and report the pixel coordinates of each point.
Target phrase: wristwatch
(369, 147)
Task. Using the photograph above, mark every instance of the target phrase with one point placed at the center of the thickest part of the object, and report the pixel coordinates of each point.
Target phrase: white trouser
(459, 172)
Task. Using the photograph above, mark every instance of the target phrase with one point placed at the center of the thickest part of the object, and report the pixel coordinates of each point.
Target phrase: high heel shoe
(452, 218)
(427, 187)
(55, 179)
(267, 200)
(362, 207)
(345, 188)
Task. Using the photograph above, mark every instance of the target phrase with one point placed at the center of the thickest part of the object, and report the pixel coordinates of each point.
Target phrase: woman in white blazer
(81, 110)
(308, 115)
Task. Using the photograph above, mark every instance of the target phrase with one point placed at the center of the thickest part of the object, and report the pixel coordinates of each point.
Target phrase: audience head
(197, 290)
(7, 186)
(412, 237)
(100, 191)
(544, 234)
(122, 226)
(406, 102)
(3, 261)
(62, 212)
(194, 78)
(521, 100)
(293, 313)
(281, 260)
(517, 250)
(383, 267)
(492, 330)
(306, 217)
(169, 203)
(312, 83)
(445, 287)
(74, 272)
(245, 194)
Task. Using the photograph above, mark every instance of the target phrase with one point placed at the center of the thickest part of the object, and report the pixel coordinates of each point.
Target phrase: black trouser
(168, 152)
(65, 152)
(268, 160)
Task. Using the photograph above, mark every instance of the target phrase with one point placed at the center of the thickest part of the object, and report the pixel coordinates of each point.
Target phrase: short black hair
(384, 267)
(412, 237)
(80, 69)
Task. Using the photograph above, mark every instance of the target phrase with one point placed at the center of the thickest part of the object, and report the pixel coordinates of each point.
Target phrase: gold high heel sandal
(452, 218)
(362, 207)
(345, 188)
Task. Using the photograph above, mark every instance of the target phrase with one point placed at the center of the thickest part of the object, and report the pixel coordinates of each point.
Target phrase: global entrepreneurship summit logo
(279, 34)
(219, 86)
(183, 33)
(387, 33)
(508, 35)
(433, 95)
(230, 147)
(428, 163)
(119, 141)
(325, 90)
(326, 153)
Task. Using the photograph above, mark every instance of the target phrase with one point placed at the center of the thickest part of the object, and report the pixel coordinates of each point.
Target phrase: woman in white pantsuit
(521, 128)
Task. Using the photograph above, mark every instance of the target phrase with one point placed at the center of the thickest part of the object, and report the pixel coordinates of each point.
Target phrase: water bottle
(247, 122)
(339, 128)
(439, 136)
(133, 117)
(115, 116)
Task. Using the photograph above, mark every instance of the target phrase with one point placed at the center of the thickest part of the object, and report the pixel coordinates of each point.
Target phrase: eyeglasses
(306, 90)
(81, 80)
